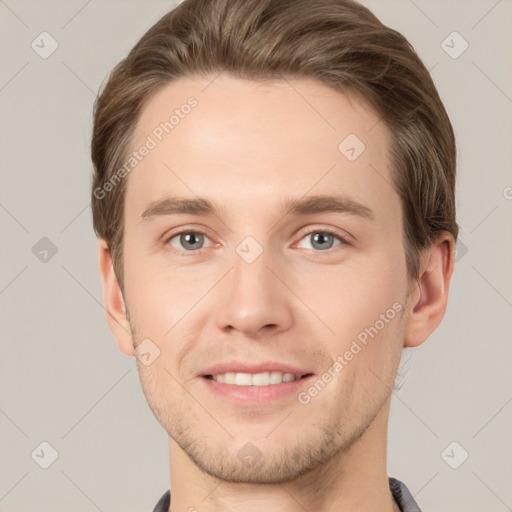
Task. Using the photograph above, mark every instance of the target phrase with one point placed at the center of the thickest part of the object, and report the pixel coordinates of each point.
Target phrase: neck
(355, 479)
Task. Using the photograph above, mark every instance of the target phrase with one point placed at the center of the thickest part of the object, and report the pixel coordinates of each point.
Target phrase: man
(274, 200)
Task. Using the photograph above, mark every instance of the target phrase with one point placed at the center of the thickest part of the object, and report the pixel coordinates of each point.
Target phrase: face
(264, 266)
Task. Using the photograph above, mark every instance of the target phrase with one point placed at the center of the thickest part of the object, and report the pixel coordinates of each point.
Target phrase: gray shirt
(398, 490)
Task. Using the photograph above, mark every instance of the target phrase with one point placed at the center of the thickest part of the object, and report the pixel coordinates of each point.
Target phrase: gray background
(62, 378)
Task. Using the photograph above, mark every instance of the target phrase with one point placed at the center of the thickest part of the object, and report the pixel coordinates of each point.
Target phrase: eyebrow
(291, 206)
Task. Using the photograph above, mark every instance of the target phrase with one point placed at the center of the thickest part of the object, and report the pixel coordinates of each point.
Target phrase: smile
(254, 379)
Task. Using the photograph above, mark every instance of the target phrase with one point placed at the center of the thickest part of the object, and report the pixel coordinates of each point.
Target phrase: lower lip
(256, 394)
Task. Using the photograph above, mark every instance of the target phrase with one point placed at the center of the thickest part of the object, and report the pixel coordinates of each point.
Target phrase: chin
(265, 462)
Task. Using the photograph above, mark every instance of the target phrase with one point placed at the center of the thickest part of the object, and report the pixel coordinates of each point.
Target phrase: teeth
(276, 378)
(260, 379)
(254, 379)
(229, 378)
(243, 379)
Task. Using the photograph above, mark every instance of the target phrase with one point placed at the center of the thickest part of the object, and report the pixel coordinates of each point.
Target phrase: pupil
(189, 239)
(321, 238)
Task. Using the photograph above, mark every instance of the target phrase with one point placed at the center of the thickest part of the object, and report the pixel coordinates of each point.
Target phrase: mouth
(266, 378)
(254, 384)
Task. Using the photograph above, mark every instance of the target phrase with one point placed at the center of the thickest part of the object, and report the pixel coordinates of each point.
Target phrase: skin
(247, 146)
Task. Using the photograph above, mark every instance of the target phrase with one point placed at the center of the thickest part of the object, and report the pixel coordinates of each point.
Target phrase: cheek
(365, 312)
(161, 308)
(354, 298)
(153, 299)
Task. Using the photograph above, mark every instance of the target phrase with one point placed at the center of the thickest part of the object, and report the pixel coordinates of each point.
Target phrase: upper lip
(241, 367)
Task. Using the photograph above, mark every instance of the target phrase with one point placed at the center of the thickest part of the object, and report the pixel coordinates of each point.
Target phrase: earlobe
(430, 296)
(113, 300)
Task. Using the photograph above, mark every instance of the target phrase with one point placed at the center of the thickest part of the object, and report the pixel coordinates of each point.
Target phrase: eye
(193, 241)
(187, 241)
(323, 239)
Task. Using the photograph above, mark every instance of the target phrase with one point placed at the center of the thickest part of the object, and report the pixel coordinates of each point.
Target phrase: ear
(114, 302)
(430, 293)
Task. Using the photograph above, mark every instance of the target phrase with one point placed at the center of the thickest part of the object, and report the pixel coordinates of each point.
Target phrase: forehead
(243, 142)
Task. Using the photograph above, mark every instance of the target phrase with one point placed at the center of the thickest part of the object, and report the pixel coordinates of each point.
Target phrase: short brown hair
(338, 42)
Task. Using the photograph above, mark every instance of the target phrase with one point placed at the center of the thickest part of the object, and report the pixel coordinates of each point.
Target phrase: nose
(253, 299)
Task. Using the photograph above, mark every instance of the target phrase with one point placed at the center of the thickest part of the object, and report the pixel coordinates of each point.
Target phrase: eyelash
(328, 231)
